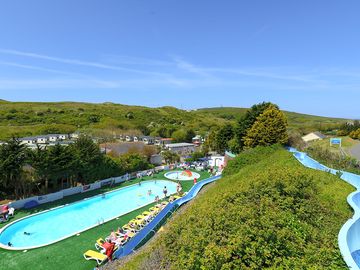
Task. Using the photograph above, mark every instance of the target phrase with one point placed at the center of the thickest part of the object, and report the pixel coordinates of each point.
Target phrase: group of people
(123, 234)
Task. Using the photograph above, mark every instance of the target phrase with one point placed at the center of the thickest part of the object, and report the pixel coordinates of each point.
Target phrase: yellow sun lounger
(154, 209)
(94, 255)
(140, 217)
(146, 213)
(99, 243)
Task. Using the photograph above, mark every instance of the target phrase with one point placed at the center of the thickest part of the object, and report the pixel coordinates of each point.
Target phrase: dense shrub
(355, 134)
(334, 160)
(249, 157)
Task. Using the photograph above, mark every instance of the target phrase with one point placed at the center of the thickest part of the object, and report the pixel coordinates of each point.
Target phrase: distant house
(148, 139)
(53, 137)
(129, 138)
(136, 138)
(313, 136)
(121, 137)
(42, 139)
(28, 140)
(197, 140)
(181, 149)
(63, 136)
(157, 140)
(164, 141)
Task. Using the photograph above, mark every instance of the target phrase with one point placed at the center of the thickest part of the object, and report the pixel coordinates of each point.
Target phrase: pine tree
(269, 128)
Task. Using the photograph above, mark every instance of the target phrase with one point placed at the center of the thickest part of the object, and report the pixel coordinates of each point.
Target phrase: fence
(81, 189)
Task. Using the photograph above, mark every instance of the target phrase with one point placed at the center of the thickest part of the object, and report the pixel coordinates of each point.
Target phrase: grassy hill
(267, 212)
(303, 122)
(32, 118)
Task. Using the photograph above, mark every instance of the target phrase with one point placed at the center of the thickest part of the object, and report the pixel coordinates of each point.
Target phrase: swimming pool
(62, 222)
(182, 175)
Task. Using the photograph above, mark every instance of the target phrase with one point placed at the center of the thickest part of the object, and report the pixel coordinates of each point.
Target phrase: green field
(106, 119)
(68, 254)
(267, 212)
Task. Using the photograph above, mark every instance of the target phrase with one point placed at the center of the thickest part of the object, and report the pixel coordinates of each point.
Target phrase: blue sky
(302, 55)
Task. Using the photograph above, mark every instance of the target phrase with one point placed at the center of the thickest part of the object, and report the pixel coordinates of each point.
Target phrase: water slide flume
(349, 235)
(56, 224)
(150, 229)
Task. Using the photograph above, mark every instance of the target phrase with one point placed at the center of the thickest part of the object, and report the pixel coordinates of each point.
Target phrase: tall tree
(269, 128)
(12, 160)
(247, 121)
(39, 160)
(88, 157)
(223, 136)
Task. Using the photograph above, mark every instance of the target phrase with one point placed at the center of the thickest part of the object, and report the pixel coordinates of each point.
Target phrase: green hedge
(272, 214)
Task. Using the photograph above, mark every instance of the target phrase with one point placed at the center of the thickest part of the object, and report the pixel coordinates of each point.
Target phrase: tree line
(24, 172)
(263, 124)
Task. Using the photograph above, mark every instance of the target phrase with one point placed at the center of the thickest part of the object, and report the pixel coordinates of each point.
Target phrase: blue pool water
(57, 224)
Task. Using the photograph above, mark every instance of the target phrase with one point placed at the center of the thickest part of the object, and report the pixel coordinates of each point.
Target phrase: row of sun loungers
(123, 235)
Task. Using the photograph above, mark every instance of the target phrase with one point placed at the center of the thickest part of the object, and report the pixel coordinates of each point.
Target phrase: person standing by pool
(195, 180)
(165, 191)
(178, 188)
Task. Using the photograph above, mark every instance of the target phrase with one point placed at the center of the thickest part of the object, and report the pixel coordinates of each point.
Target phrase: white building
(42, 139)
(157, 140)
(136, 138)
(181, 149)
(148, 140)
(216, 161)
(197, 140)
(313, 136)
(28, 140)
(129, 138)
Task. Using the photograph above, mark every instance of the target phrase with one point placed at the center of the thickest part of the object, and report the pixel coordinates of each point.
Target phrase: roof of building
(319, 134)
(147, 137)
(179, 144)
(28, 138)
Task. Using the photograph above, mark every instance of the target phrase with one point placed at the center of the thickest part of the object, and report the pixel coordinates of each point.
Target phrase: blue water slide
(349, 235)
(150, 228)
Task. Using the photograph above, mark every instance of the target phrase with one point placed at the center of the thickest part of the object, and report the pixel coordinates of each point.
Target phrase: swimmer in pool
(26, 233)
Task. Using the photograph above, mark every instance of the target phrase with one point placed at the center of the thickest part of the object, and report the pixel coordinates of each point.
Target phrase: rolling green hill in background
(33, 118)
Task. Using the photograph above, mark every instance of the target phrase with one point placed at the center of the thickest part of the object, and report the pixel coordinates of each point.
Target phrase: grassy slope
(304, 122)
(271, 214)
(67, 254)
(32, 118)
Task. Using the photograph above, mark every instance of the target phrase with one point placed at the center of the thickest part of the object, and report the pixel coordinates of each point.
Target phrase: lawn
(68, 254)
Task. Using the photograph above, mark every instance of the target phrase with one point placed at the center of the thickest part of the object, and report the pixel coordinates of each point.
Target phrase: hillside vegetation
(302, 122)
(33, 118)
(267, 212)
